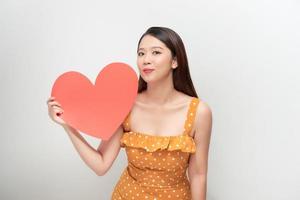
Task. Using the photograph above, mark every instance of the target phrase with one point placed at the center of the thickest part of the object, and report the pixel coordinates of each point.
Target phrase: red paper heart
(97, 110)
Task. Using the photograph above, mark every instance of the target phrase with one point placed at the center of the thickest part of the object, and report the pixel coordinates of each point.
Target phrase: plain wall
(244, 61)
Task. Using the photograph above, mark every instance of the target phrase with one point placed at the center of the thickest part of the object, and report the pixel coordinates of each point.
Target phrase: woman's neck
(161, 92)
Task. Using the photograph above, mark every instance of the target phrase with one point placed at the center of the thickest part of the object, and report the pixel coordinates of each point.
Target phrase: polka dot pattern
(156, 164)
(151, 143)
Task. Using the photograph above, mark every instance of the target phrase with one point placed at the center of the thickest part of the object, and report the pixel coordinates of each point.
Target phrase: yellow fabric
(156, 164)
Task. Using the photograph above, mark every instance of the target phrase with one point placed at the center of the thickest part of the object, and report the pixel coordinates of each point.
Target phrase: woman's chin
(147, 79)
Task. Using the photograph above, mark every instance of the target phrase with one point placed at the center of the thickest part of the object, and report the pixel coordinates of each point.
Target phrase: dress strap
(190, 117)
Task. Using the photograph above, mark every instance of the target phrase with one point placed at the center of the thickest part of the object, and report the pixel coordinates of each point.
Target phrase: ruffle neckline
(152, 143)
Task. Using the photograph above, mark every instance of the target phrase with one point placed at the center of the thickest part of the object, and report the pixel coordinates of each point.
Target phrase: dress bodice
(157, 164)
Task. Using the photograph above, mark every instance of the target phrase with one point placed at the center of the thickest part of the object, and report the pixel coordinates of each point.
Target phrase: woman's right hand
(55, 110)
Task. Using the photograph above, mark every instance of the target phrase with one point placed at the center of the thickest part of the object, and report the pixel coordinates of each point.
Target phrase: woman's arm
(198, 164)
(99, 160)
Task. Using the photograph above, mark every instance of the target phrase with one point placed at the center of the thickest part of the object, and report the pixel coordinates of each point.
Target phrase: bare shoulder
(203, 109)
(203, 120)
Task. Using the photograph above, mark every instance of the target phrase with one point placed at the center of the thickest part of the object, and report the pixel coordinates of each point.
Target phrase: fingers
(52, 102)
(50, 99)
(57, 109)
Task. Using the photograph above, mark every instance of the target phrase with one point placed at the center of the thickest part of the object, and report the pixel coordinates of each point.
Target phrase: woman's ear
(174, 63)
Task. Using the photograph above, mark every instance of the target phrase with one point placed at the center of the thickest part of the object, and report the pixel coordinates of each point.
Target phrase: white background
(244, 61)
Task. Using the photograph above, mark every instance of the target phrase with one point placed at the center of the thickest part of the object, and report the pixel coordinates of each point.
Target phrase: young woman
(166, 134)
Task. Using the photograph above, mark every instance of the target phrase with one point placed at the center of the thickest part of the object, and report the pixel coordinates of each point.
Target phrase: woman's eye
(154, 52)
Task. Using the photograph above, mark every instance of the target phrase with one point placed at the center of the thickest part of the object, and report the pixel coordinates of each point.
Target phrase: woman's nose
(147, 59)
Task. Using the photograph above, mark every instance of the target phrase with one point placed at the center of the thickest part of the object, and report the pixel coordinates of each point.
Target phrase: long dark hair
(181, 75)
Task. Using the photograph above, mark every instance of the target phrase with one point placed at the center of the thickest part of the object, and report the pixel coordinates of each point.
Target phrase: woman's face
(154, 54)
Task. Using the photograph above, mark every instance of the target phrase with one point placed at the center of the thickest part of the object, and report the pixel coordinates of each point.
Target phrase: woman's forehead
(150, 42)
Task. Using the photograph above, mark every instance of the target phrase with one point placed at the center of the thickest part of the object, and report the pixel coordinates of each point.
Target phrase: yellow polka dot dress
(156, 164)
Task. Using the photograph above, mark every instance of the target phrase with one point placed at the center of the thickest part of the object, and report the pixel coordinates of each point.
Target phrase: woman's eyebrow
(151, 48)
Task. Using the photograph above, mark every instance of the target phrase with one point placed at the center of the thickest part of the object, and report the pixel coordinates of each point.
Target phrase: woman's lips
(148, 71)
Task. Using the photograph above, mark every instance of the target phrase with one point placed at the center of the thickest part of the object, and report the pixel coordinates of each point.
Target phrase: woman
(166, 133)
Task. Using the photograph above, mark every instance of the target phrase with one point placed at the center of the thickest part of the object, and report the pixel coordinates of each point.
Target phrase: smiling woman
(161, 49)
(166, 133)
(166, 102)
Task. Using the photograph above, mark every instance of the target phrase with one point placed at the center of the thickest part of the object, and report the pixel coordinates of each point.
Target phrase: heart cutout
(97, 109)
